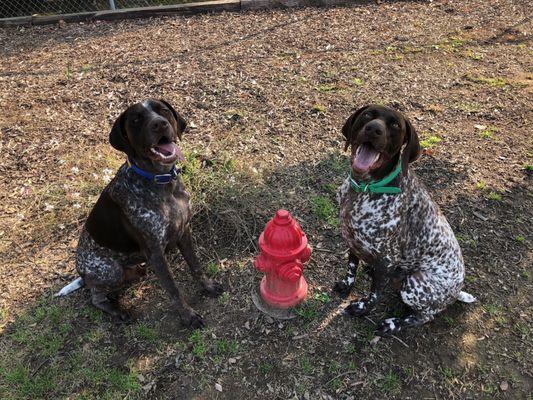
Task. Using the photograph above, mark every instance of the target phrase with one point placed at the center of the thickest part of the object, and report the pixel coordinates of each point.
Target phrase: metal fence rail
(20, 8)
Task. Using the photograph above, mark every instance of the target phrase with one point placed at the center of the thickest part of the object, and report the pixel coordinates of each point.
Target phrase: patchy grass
(390, 384)
(429, 141)
(59, 361)
(212, 269)
(496, 82)
(326, 89)
(145, 333)
(325, 209)
(481, 185)
(357, 81)
(488, 133)
(319, 108)
(309, 310)
(197, 340)
(305, 365)
(495, 196)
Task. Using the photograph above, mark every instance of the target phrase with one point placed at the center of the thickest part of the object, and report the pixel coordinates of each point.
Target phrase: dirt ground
(266, 94)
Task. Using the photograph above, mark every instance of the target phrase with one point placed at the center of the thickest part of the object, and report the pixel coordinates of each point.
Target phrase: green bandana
(379, 186)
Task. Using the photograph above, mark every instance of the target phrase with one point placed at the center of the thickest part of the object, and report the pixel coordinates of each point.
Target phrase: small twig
(480, 216)
(39, 367)
(339, 376)
(400, 340)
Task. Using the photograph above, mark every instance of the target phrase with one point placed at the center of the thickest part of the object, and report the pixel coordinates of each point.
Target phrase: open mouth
(165, 151)
(366, 158)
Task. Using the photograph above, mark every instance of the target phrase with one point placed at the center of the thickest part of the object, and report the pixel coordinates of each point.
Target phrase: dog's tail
(71, 287)
(466, 297)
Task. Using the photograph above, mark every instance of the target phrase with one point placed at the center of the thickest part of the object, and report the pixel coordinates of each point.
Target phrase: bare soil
(266, 93)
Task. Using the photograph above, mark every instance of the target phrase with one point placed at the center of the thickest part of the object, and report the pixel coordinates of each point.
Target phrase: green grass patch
(488, 133)
(305, 365)
(390, 383)
(496, 82)
(325, 209)
(145, 333)
(447, 373)
(212, 269)
(528, 167)
(449, 321)
(357, 81)
(335, 384)
(430, 141)
(197, 340)
(309, 310)
(40, 357)
(265, 368)
(493, 310)
(494, 196)
(319, 108)
(322, 297)
(226, 347)
(326, 88)
(520, 238)
(224, 298)
(481, 185)
(522, 329)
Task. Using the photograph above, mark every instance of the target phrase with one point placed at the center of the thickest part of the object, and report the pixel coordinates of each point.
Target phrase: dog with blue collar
(141, 215)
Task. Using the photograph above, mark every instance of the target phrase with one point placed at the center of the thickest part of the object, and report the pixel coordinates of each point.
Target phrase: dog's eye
(136, 121)
(394, 125)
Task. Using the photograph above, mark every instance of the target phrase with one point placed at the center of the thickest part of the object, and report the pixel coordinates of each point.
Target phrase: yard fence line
(63, 10)
(21, 8)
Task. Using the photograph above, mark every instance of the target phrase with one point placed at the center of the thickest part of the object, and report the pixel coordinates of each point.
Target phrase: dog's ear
(348, 125)
(118, 137)
(412, 149)
(182, 124)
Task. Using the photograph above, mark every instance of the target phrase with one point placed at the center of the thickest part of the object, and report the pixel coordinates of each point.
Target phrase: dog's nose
(374, 128)
(159, 124)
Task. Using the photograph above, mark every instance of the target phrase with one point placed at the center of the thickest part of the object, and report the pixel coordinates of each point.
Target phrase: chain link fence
(21, 8)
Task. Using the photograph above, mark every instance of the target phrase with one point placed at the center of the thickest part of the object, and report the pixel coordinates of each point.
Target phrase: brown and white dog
(391, 224)
(141, 215)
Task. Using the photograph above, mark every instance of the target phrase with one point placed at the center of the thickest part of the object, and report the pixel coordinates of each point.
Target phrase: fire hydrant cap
(283, 237)
(282, 217)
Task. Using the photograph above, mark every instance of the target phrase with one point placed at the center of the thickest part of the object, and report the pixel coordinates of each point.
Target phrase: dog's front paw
(358, 308)
(212, 288)
(342, 289)
(389, 327)
(192, 319)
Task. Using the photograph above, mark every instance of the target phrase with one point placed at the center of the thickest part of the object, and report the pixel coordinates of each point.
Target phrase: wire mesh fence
(20, 8)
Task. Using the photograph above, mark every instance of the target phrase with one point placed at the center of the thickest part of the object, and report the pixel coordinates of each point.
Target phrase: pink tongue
(167, 149)
(365, 158)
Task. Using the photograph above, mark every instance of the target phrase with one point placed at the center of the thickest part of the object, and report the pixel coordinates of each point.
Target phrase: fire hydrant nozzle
(283, 252)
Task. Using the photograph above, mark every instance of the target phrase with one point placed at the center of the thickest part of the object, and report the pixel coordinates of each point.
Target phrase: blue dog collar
(160, 179)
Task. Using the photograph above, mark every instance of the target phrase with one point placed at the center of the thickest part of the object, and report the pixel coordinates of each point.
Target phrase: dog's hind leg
(345, 286)
(102, 274)
(100, 299)
(426, 294)
(390, 326)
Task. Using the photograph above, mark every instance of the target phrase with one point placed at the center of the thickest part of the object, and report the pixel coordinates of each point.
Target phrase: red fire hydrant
(283, 252)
